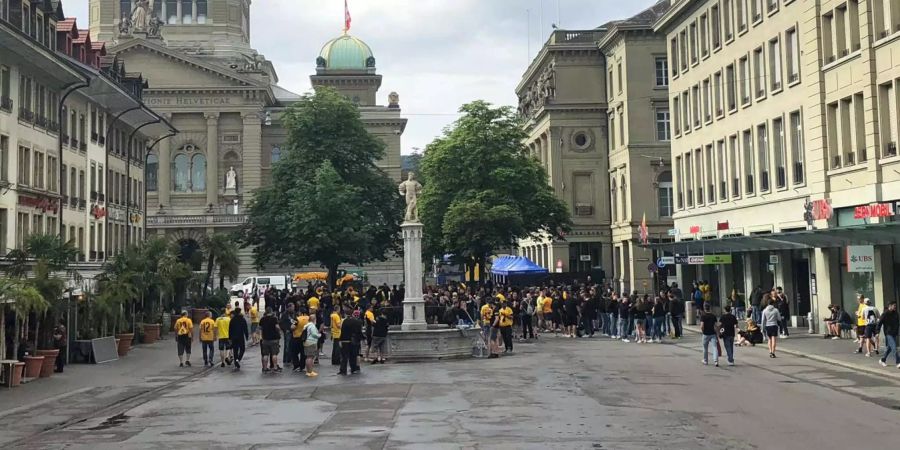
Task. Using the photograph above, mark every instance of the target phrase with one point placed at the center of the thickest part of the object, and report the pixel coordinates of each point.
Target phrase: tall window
(693, 37)
(721, 166)
(189, 167)
(717, 93)
(759, 72)
(716, 24)
(673, 54)
(727, 18)
(762, 151)
(688, 179)
(662, 72)
(793, 55)
(680, 180)
(797, 156)
(746, 79)
(676, 119)
(780, 154)
(731, 93)
(152, 172)
(704, 36)
(662, 125)
(202, 11)
(749, 163)
(734, 167)
(775, 63)
(710, 175)
(24, 166)
(664, 194)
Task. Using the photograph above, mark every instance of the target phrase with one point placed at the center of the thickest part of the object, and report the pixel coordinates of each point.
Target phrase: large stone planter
(18, 371)
(151, 332)
(434, 343)
(124, 343)
(33, 366)
(49, 362)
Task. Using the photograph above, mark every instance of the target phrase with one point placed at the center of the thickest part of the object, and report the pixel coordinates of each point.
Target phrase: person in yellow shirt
(486, 313)
(297, 353)
(370, 322)
(539, 310)
(506, 323)
(860, 322)
(254, 325)
(208, 339)
(222, 324)
(184, 330)
(313, 304)
(336, 321)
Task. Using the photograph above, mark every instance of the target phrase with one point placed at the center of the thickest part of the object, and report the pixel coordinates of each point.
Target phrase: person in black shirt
(676, 309)
(379, 337)
(710, 334)
(285, 322)
(624, 317)
(271, 340)
(351, 336)
(728, 323)
(890, 323)
(238, 333)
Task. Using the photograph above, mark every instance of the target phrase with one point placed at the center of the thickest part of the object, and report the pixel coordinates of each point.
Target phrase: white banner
(860, 258)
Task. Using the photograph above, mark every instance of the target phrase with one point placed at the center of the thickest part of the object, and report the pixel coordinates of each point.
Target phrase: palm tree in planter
(221, 251)
(23, 300)
(119, 284)
(44, 255)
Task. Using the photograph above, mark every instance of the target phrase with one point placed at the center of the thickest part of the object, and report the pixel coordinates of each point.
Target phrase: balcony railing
(82, 204)
(26, 115)
(764, 181)
(196, 219)
(751, 185)
(780, 177)
(82, 147)
(94, 136)
(40, 121)
(93, 196)
(6, 104)
(736, 187)
(101, 140)
(100, 197)
(73, 142)
(64, 138)
(890, 149)
(723, 190)
(73, 202)
(862, 155)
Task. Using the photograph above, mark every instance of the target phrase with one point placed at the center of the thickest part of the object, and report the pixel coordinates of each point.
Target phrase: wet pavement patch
(110, 422)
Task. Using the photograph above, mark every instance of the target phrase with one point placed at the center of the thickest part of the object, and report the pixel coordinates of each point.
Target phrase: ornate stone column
(212, 159)
(250, 179)
(164, 179)
(413, 304)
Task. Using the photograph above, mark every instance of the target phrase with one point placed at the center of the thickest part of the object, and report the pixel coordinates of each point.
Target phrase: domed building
(347, 64)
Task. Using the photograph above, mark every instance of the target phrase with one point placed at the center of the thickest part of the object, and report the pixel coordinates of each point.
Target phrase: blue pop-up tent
(517, 270)
(515, 265)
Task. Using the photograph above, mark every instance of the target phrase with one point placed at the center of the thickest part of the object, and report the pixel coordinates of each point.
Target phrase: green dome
(346, 53)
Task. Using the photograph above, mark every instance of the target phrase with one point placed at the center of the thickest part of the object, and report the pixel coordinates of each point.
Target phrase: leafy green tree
(222, 252)
(24, 300)
(327, 202)
(482, 190)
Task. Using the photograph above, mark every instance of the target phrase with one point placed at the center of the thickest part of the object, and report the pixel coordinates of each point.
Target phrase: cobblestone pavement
(557, 393)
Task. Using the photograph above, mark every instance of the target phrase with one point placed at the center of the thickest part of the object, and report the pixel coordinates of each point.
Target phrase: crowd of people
(296, 323)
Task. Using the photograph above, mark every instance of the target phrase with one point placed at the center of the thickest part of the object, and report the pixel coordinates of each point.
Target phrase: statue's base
(435, 342)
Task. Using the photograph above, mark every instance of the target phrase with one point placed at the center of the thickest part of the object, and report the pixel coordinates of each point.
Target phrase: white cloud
(437, 54)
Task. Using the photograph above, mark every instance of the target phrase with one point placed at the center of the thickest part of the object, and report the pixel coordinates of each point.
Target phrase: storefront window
(853, 284)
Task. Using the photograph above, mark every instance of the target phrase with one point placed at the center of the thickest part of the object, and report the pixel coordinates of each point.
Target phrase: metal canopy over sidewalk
(873, 234)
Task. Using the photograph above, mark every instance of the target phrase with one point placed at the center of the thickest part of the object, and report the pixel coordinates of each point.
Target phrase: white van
(259, 282)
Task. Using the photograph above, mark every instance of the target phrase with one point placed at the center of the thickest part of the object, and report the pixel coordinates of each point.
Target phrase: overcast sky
(437, 54)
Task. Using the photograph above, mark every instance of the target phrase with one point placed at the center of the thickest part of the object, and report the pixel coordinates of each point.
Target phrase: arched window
(151, 171)
(276, 154)
(664, 194)
(198, 173)
(189, 167)
(181, 167)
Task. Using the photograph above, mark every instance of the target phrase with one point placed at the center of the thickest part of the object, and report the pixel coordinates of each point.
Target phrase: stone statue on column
(141, 14)
(411, 189)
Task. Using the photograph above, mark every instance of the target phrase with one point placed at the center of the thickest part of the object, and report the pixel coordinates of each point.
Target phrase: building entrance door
(801, 287)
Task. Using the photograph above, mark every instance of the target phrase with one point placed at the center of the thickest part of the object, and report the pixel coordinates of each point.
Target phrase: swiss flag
(347, 19)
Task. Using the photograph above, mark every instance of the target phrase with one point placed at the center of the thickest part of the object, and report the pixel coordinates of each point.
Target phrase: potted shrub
(49, 361)
(151, 332)
(18, 371)
(33, 365)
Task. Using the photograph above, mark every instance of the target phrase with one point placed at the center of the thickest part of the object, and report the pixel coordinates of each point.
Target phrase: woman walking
(771, 318)
(640, 321)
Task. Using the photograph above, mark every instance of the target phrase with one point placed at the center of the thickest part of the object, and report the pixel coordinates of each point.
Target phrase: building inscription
(188, 101)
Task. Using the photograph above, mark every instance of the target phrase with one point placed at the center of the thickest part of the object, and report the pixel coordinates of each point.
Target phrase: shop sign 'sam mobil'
(860, 258)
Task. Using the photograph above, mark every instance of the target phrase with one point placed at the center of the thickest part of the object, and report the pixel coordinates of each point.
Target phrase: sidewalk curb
(879, 371)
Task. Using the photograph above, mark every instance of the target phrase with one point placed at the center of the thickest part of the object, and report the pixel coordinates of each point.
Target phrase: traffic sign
(673, 231)
(665, 261)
